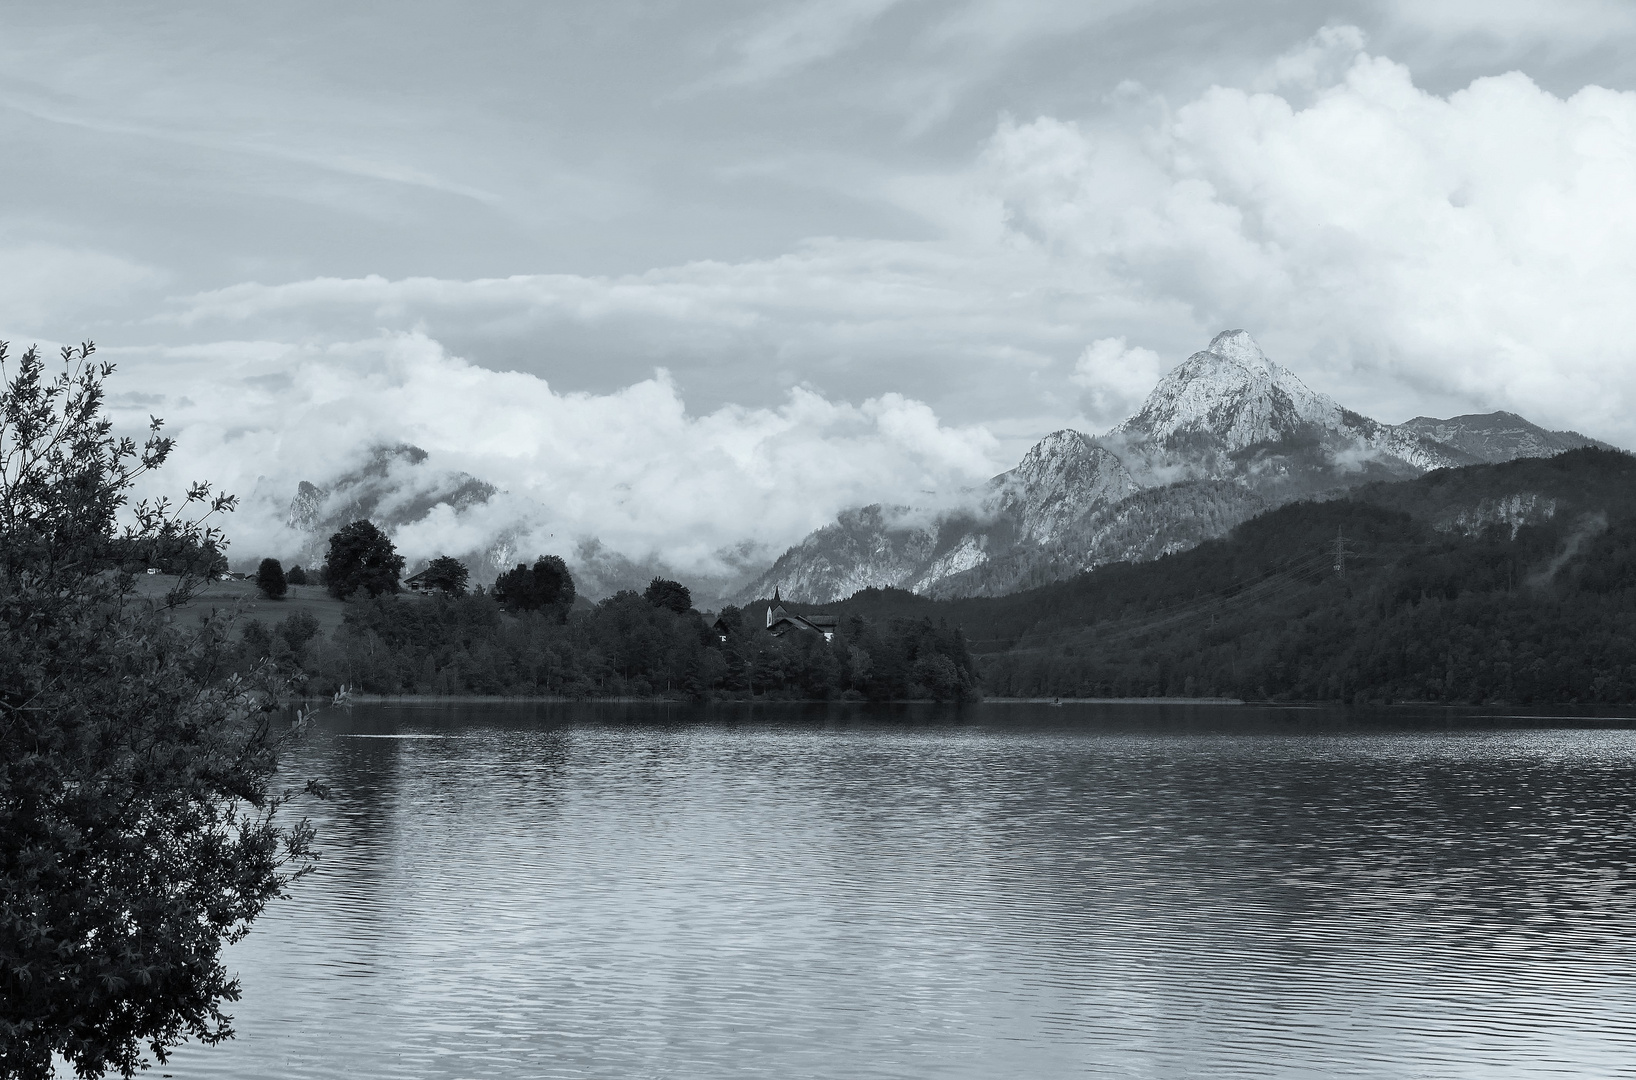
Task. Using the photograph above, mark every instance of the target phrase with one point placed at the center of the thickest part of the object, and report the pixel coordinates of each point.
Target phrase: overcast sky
(582, 248)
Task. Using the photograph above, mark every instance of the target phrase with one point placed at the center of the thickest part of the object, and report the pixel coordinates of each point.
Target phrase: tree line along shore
(1371, 598)
(525, 636)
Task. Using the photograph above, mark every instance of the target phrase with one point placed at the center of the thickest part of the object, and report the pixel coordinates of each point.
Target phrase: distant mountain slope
(429, 511)
(1498, 436)
(1430, 603)
(1142, 526)
(1511, 582)
(1225, 435)
(842, 558)
(394, 487)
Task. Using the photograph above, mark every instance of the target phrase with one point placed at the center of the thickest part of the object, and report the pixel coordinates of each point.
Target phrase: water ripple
(563, 892)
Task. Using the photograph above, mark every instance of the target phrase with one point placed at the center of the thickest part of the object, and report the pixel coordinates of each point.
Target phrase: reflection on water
(555, 891)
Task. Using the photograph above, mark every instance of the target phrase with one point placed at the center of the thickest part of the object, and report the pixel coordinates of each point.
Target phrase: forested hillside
(1490, 583)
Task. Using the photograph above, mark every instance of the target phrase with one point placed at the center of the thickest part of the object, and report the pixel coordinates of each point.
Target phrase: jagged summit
(1224, 435)
(1057, 482)
(1228, 396)
(1240, 348)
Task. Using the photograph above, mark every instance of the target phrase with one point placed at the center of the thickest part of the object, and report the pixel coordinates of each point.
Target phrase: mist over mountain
(430, 511)
(1226, 435)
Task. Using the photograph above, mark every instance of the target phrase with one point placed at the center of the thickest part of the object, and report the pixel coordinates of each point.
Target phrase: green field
(244, 596)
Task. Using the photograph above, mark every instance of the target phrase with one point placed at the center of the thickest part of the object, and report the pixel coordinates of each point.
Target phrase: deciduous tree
(361, 558)
(546, 584)
(137, 813)
(447, 574)
(672, 595)
(270, 579)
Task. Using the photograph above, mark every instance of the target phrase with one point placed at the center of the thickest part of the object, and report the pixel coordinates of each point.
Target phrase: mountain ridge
(1225, 435)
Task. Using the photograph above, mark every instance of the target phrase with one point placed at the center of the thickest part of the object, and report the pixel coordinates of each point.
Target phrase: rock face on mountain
(863, 544)
(1064, 477)
(1224, 436)
(429, 511)
(1228, 397)
(393, 488)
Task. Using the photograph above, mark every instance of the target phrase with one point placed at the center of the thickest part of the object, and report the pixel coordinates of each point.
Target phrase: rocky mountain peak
(1225, 435)
(1238, 347)
(1228, 396)
(306, 507)
(1056, 448)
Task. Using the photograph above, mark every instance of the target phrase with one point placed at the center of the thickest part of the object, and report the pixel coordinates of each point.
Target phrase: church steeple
(777, 603)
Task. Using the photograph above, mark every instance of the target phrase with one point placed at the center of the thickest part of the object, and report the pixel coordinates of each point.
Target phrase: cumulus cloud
(855, 318)
(1402, 250)
(1116, 377)
(1476, 244)
(633, 468)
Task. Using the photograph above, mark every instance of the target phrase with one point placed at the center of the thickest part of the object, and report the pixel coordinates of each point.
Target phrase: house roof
(817, 621)
(821, 624)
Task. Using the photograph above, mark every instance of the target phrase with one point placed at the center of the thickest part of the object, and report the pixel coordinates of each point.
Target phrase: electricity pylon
(1341, 552)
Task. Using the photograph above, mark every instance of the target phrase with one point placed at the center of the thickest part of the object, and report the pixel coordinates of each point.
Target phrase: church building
(780, 620)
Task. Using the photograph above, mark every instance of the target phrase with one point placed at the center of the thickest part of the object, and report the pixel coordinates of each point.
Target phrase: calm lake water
(1000, 891)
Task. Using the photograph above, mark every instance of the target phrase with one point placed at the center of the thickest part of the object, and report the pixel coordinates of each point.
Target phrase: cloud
(1402, 250)
(44, 285)
(350, 162)
(1116, 378)
(1473, 246)
(795, 35)
(633, 468)
(1319, 62)
(854, 318)
(1557, 25)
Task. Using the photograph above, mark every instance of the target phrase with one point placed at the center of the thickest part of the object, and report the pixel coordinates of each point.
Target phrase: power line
(1340, 552)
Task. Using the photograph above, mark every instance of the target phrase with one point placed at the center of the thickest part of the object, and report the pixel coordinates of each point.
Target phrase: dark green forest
(626, 645)
(1512, 583)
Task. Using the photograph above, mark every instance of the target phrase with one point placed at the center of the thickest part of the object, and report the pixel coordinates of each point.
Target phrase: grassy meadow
(243, 595)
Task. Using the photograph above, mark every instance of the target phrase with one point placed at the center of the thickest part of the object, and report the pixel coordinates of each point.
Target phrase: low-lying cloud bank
(1404, 251)
(632, 469)
(1401, 250)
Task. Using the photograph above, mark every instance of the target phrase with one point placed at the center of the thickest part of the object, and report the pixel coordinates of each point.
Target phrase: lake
(628, 891)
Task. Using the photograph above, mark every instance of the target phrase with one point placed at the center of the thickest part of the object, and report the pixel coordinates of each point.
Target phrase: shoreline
(1117, 701)
(501, 699)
